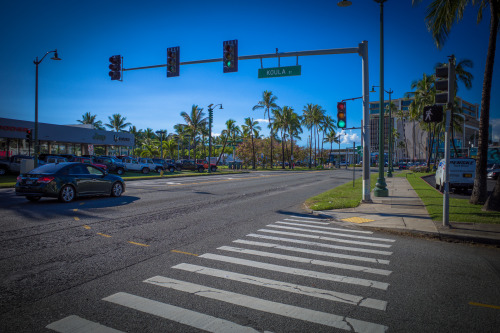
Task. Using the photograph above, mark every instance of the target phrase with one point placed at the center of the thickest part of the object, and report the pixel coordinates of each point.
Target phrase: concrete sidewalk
(403, 211)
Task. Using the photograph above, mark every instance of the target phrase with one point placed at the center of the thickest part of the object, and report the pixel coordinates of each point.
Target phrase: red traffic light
(341, 106)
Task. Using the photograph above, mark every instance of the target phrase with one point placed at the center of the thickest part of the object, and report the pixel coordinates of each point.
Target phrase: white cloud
(262, 120)
(349, 138)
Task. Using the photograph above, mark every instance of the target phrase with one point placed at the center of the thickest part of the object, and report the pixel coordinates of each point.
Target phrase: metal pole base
(381, 188)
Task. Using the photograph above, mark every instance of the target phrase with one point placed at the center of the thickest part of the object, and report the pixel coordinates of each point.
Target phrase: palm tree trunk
(222, 151)
(253, 153)
(291, 152)
(479, 192)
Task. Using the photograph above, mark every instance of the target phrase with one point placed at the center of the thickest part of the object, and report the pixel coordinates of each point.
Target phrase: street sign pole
(449, 106)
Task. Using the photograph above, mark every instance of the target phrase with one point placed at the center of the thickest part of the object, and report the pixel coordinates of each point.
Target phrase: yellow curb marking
(104, 235)
(76, 218)
(191, 254)
(357, 220)
(86, 227)
(140, 244)
(485, 305)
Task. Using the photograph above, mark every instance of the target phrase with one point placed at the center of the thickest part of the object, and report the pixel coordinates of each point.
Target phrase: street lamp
(37, 62)
(160, 133)
(389, 169)
(381, 187)
(210, 120)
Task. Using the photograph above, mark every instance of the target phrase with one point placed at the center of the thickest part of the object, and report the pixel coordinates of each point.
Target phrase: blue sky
(87, 33)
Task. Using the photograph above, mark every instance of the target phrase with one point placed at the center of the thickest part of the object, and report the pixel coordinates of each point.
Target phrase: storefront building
(61, 139)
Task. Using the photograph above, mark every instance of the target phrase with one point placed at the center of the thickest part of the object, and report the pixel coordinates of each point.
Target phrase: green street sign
(265, 73)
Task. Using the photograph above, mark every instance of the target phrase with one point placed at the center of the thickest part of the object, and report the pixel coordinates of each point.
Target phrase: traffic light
(230, 56)
(116, 67)
(29, 134)
(173, 61)
(445, 84)
(341, 115)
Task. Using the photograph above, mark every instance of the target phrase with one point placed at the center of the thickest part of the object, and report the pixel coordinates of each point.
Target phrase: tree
(442, 14)
(88, 118)
(228, 133)
(117, 123)
(268, 101)
(251, 128)
(195, 122)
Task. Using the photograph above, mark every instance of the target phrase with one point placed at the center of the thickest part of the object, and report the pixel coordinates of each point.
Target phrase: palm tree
(117, 123)
(307, 120)
(331, 137)
(440, 18)
(230, 132)
(294, 129)
(251, 128)
(88, 118)
(195, 122)
(268, 101)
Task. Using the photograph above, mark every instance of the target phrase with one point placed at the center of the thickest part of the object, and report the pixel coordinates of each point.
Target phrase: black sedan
(67, 181)
(493, 174)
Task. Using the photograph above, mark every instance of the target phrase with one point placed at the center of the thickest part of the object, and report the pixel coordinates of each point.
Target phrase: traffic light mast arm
(261, 56)
(351, 99)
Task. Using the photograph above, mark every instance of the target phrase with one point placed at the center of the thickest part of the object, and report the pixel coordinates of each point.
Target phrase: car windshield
(47, 168)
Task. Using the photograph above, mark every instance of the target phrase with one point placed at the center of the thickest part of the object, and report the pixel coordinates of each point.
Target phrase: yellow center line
(76, 218)
(140, 244)
(104, 235)
(82, 203)
(191, 254)
(86, 227)
(485, 305)
(75, 210)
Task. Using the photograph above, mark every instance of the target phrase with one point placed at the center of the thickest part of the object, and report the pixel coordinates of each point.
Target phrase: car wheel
(145, 170)
(437, 186)
(441, 188)
(3, 171)
(67, 194)
(172, 169)
(119, 171)
(117, 189)
(32, 198)
(214, 169)
(201, 169)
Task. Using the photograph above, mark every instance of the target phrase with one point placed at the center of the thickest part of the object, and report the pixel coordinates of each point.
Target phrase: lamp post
(210, 120)
(160, 133)
(37, 62)
(389, 169)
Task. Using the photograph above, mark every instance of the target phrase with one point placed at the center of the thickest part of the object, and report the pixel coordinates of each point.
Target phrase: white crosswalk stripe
(286, 310)
(334, 233)
(290, 287)
(323, 253)
(307, 260)
(299, 241)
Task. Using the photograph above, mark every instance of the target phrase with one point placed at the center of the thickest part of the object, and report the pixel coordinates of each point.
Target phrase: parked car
(67, 181)
(54, 159)
(189, 165)
(213, 166)
(403, 166)
(165, 164)
(133, 165)
(113, 164)
(89, 160)
(493, 174)
(151, 165)
(12, 164)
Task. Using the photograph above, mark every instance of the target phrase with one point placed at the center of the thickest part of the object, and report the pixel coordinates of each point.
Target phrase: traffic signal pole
(361, 50)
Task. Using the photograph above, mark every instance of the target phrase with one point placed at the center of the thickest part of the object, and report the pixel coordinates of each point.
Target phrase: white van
(462, 173)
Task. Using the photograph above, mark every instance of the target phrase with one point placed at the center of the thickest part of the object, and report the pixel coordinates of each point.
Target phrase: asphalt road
(229, 254)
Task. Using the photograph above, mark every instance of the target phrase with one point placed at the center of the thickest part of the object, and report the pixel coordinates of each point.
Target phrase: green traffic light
(341, 124)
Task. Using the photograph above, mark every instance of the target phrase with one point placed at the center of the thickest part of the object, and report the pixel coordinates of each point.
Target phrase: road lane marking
(485, 305)
(104, 235)
(75, 209)
(177, 314)
(140, 244)
(285, 286)
(298, 271)
(191, 254)
(339, 240)
(337, 229)
(307, 260)
(87, 227)
(330, 246)
(74, 323)
(281, 309)
(320, 253)
(76, 218)
(308, 218)
(334, 233)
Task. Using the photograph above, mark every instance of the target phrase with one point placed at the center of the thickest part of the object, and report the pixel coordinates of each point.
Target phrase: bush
(419, 168)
